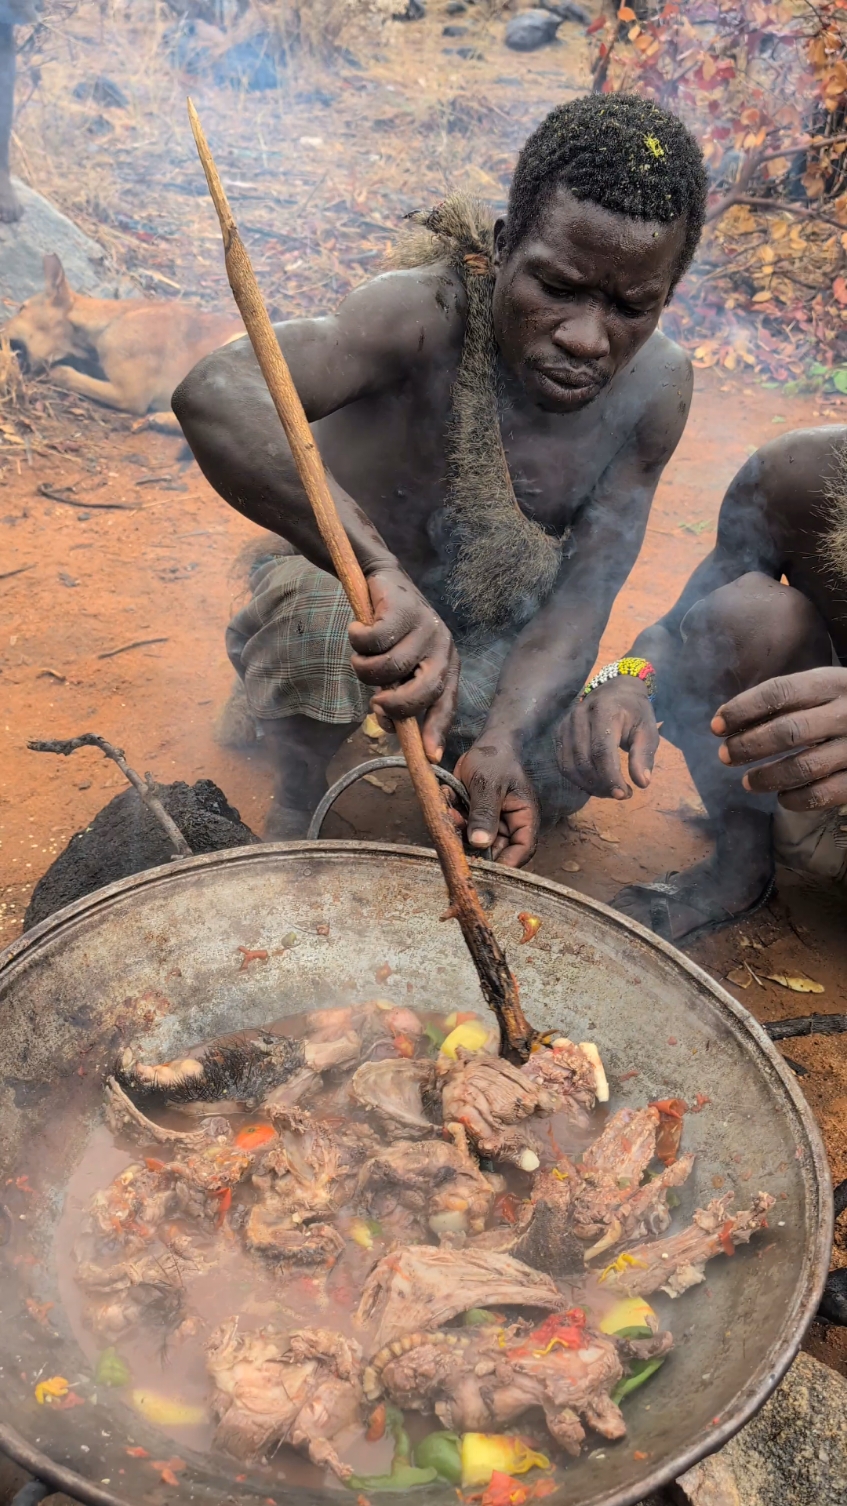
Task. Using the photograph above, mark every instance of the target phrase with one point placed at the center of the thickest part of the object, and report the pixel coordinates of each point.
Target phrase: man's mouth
(570, 381)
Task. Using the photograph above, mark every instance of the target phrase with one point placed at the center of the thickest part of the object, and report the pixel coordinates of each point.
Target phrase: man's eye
(556, 290)
(630, 312)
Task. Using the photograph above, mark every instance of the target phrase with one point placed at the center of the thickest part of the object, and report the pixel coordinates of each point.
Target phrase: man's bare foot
(11, 207)
(681, 906)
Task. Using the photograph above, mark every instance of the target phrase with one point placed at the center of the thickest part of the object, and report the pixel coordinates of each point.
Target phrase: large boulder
(44, 228)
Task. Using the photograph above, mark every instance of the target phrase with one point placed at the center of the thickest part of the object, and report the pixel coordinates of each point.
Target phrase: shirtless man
(753, 663)
(501, 413)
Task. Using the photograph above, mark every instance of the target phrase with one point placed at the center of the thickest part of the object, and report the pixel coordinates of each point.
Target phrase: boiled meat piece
(436, 1179)
(422, 1287)
(148, 1290)
(395, 1091)
(674, 1264)
(567, 1072)
(495, 1101)
(312, 1168)
(128, 1211)
(237, 1070)
(123, 1118)
(486, 1380)
(270, 1231)
(626, 1146)
(303, 1389)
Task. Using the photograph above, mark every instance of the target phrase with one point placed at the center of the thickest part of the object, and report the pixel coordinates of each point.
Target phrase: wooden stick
(496, 981)
(147, 787)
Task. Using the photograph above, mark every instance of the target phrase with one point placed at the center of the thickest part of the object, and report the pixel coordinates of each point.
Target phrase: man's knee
(757, 616)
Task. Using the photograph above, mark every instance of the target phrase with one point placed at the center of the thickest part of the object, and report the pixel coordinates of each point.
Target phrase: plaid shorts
(290, 646)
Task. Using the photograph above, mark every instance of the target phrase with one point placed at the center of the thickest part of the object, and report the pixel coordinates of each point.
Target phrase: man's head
(605, 211)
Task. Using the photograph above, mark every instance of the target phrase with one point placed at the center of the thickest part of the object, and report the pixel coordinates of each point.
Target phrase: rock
(125, 838)
(415, 11)
(532, 29)
(101, 90)
(455, 8)
(454, 31)
(44, 228)
(793, 1453)
(250, 65)
(567, 11)
(834, 1300)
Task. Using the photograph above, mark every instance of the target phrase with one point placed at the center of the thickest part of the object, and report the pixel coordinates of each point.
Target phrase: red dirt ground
(162, 567)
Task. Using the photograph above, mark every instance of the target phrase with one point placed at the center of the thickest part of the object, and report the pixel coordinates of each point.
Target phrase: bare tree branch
(146, 787)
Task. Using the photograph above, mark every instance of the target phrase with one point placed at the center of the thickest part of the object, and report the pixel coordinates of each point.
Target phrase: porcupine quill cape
(505, 564)
(835, 491)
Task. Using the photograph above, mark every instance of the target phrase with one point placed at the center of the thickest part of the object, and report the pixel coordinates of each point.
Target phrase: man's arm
(619, 715)
(551, 658)
(369, 346)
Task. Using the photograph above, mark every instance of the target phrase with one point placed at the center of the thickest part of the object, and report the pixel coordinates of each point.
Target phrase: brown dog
(143, 349)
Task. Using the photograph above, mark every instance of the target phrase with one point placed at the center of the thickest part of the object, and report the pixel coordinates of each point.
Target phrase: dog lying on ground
(140, 350)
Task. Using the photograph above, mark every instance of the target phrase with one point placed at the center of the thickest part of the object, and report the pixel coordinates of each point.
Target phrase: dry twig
(146, 787)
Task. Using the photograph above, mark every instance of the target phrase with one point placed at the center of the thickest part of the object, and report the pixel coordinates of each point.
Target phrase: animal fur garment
(506, 565)
(835, 491)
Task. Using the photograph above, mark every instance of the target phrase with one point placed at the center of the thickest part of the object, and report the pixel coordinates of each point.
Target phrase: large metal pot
(154, 960)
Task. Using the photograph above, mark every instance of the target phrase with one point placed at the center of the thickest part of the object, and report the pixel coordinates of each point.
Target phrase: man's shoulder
(422, 309)
(657, 397)
(794, 472)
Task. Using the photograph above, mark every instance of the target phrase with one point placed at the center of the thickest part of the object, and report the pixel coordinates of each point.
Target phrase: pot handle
(371, 767)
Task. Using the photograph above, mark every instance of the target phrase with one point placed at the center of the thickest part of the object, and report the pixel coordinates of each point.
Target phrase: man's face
(578, 296)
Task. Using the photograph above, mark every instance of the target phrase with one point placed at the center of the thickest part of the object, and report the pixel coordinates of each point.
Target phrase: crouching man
(495, 418)
(745, 675)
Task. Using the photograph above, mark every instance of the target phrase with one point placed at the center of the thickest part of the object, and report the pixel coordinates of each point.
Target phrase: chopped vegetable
(618, 1266)
(376, 1425)
(360, 1232)
(504, 1490)
(531, 926)
(640, 1371)
(601, 1082)
(167, 1411)
(725, 1238)
(483, 1454)
(671, 1111)
(628, 1314)
(441, 1452)
(112, 1370)
(471, 1036)
(478, 1317)
(459, 1017)
(46, 1390)
(562, 1329)
(435, 1036)
(253, 1136)
(224, 1197)
(404, 1478)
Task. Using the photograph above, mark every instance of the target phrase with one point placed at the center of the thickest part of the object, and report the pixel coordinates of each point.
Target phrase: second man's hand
(503, 812)
(615, 716)
(409, 651)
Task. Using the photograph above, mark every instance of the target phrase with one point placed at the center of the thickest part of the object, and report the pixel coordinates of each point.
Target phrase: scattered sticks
(146, 787)
(62, 494)
(807, 1024)
(21, 570)
(110, 653)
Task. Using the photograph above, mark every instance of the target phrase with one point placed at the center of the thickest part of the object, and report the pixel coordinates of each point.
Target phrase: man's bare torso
(389, 450)
(783, 504)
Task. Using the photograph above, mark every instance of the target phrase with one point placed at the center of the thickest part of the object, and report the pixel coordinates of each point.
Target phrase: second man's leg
(735, 638)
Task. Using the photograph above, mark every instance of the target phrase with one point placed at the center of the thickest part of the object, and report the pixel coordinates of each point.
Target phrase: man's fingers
(825, 795)
(793, 730)
(522, 839)
(642, 752)
(439, 718)
(398, 664)
(784, 693)
(607, 738)
(588, 753)
(415, 696)
(806, 768)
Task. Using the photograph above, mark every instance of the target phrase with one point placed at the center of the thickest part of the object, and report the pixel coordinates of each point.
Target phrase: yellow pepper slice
(483, 1454)
(56, 1386)
(471, 1036)
(167, 1411)
(630, 1312)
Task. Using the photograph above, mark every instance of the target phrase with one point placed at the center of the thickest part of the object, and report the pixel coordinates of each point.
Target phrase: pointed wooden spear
(495, 977)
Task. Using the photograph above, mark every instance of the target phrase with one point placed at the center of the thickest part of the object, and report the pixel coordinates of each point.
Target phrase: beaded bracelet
(640, 669)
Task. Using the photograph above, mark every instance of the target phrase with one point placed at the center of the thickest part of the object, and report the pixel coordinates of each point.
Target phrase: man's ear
(55, 281)
(499, 241)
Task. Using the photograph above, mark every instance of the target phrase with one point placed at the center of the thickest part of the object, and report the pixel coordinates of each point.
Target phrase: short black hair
(621, 151)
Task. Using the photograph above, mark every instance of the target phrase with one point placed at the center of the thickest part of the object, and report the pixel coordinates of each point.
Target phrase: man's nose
(582, 334)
